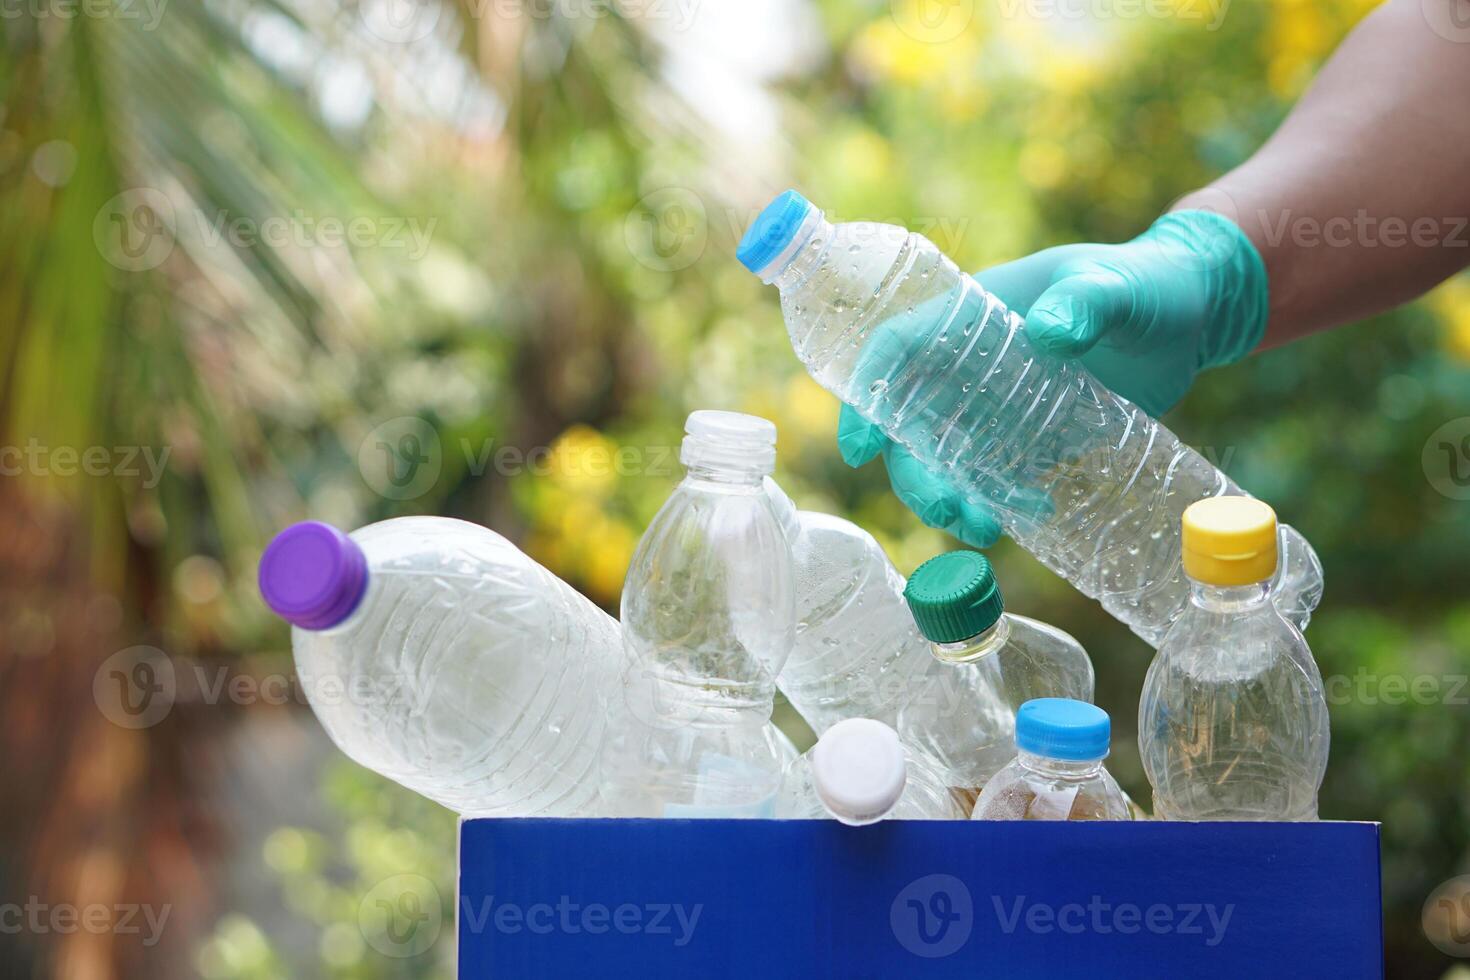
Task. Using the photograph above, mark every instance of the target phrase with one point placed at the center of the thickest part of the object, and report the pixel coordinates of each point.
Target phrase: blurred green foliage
(578, 296)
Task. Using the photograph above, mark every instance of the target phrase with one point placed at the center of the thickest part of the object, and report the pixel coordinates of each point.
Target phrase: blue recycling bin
(900, 899)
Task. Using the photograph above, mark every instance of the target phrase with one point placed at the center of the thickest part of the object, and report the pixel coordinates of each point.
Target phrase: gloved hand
(1144, 317)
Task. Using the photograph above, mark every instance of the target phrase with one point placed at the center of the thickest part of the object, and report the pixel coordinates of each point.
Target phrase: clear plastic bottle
(979, 647)
(1080, 477)
(1058, 773)
(1232, 724)
(857, 652)
(859, 772)
(437, 654)
(709, 618)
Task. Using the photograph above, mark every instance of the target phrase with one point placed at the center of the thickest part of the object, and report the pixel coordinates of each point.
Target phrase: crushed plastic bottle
(709, 618)
(1058, 773)
(1232, 724)
(859, 772)
(1080, 477)
(857, 652)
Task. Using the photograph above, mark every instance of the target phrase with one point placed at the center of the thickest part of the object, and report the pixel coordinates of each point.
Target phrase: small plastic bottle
(1058, 771)
(990, 663)
(1232, 724)
(708, 619)
(859, 773)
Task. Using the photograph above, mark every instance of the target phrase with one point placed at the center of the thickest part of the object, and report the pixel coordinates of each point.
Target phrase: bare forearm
(1361, 200)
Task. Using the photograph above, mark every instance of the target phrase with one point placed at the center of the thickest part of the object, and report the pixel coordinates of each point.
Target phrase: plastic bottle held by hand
(978, 646)
(857, 652)
(437, 654)
(708, 620)
(1080, 477)
(1232, 724)
(859, 773)
(1058, 771)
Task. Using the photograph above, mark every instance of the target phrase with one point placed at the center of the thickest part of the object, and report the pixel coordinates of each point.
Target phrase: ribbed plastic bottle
(1080, 477)
(709, 617)
(437, 654)
(957, 604)
(859, 772)
(857, 652)
(1232, 724)
(1058, 773)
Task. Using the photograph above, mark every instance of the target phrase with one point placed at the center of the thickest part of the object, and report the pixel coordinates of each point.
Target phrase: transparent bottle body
(708, 620)
(926, 793)
(1033, 787)
(963, 713)
(468, 672)
(857, 652)
(1080, 477)
(1232, 722)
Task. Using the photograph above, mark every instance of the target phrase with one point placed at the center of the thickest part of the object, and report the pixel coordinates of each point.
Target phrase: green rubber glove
(1145, 317)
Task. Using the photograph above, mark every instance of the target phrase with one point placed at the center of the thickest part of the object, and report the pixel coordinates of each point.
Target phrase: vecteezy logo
(933, 21)
(1446, 459)
(401, 916)
(401, 21)
(134, 231)
(1446, 916)
(135, 688)
(401, 458)
(1450, 19)
(667, 230)
(933, 916)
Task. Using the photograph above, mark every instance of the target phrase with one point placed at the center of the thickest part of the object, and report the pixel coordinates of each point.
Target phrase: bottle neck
(1229, 598)
(802, 255)
(973, 648)
(1059, 768)
(723, 479)
(732, 461)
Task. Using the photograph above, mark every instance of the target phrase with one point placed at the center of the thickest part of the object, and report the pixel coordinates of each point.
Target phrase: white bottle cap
(859, 771)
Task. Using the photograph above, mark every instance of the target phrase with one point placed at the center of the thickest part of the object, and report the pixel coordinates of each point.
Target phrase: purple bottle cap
(313, 575)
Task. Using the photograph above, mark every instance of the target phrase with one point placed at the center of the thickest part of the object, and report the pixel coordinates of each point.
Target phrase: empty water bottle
(859, 772)
(1233, 724)
(1058, 772)
(857, 652)
(437, 654)
(957, 604)
(708, 620)
(1084, 480)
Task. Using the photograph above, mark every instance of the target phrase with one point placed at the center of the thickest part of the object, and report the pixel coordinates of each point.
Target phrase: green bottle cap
(954, 596)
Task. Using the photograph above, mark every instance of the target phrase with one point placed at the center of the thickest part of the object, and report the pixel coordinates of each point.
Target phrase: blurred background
(268, 259)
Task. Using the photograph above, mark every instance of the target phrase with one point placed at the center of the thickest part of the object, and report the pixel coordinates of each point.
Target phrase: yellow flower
(923, 42)
(1300, 36)
(606, 563)
(809, 411)
(582, 461)
(1452, 302)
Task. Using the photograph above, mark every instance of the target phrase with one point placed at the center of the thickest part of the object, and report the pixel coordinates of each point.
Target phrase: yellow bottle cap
(1229, 541)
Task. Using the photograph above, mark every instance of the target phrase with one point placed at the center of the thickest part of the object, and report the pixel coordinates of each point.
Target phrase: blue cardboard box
(811, 899)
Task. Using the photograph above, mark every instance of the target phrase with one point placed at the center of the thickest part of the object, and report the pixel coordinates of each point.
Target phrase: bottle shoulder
(1200, 630)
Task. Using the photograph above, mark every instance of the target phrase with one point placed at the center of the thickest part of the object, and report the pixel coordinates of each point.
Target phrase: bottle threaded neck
(729, 446)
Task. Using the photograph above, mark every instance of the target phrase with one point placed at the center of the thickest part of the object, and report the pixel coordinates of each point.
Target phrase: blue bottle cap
(1060, 728)
(772, 230)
